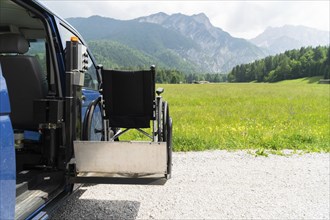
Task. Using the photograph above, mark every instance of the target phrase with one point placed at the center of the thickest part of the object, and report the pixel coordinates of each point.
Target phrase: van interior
(28, 67)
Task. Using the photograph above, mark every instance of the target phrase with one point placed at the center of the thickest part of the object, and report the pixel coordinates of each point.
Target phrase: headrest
(13, 43)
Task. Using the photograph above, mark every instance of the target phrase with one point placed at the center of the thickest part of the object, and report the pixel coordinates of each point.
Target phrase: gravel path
(216, 185)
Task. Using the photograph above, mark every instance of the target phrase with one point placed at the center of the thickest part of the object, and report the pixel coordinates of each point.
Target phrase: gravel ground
(216, 185)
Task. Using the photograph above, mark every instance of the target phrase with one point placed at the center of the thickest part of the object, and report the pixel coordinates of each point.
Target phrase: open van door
(7, 156)
(127, 101)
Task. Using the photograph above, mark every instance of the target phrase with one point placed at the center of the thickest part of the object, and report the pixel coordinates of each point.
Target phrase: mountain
(217, 50)
(128, 43)
(112, 54)
(279, 39)
(186, 43)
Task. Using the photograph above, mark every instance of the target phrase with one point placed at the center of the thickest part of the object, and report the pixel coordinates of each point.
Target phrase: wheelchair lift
(128, 101)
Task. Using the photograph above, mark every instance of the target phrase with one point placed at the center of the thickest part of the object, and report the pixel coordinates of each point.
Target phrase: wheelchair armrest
(159, 91)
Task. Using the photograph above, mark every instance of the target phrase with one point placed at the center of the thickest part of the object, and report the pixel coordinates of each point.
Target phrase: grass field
(250, 116)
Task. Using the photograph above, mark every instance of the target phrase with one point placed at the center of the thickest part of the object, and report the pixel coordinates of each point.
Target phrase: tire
(164, 121)
(93, 127)
(167, 134)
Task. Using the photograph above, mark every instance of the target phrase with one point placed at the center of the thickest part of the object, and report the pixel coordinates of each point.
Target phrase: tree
(292, 64)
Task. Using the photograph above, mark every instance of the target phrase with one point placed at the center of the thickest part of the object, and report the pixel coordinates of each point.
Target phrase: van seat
(24, 78)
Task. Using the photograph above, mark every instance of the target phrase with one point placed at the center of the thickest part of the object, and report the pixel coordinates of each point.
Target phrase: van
(49, 82)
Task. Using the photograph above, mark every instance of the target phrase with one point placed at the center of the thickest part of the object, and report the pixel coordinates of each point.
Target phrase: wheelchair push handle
(159, 91)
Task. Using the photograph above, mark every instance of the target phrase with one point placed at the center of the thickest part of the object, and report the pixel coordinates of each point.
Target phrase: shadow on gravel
(76, 208)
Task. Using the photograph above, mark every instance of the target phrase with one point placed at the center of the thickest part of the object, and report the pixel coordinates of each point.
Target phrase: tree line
(292, 64)
(170, 76)
(174, 77)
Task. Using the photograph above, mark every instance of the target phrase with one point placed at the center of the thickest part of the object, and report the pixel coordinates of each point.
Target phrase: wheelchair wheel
(167, 136)
(93, 122)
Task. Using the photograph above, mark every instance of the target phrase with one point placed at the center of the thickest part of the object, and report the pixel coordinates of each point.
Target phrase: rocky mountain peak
(202, 19)
(215, 48)
(177, 19)
(157, 18)
(287, 37)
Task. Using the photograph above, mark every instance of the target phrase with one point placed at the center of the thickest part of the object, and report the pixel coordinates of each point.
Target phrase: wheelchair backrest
(129, 97)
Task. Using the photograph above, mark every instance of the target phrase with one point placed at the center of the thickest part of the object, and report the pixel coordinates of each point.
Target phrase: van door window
(91, 80)
(38, 50)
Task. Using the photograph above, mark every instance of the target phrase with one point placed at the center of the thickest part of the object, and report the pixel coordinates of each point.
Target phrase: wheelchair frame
(161, 129)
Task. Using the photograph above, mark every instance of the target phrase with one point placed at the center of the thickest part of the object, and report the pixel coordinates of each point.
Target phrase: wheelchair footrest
(123, 160)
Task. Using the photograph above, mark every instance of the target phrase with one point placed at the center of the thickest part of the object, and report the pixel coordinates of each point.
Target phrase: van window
(91, 81)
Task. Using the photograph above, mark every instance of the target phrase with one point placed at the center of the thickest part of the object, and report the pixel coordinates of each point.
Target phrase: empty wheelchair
(128, 102)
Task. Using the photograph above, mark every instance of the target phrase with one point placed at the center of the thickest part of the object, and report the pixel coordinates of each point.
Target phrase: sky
(245, 19)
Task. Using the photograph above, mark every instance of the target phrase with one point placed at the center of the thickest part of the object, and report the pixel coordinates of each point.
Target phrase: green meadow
(260, 116)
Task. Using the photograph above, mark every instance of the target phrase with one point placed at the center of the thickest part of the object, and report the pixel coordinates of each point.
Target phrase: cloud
(248, 19)
(239, 18)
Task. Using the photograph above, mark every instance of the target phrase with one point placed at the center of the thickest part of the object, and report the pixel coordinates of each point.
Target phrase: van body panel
(7, 156)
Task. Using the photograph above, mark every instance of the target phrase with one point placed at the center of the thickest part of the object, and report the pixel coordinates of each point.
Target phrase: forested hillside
(186, 44)
(115, 55)
(292, 64)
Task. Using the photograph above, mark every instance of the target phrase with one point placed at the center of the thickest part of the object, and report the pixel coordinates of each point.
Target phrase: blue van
(58, 124)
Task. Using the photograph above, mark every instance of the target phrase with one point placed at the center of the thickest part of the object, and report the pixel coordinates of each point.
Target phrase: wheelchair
(128, 101)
